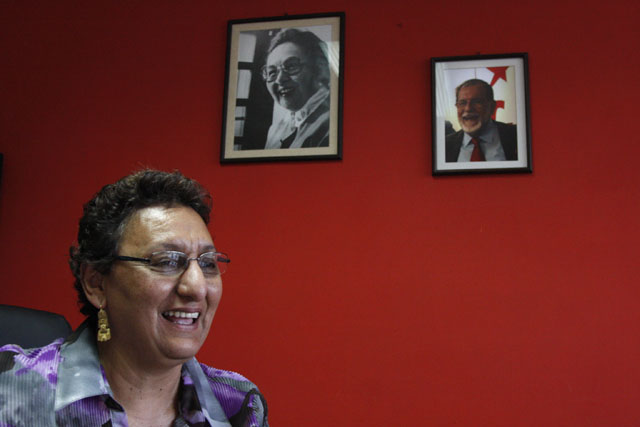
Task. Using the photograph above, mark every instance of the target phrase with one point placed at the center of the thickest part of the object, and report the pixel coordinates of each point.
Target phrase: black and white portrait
(283, 95)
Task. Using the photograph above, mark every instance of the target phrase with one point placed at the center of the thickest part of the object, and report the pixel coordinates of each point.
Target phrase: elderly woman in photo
(297, 77)
(148, 278)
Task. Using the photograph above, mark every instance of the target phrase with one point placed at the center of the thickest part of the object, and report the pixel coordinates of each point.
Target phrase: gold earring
(104, 332)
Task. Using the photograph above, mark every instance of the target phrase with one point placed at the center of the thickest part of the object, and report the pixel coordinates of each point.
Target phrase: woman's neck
(148, 394)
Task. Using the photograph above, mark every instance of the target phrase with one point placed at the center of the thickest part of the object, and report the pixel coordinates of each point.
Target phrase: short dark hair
(107, 213)
(312, 46)
(488, 90)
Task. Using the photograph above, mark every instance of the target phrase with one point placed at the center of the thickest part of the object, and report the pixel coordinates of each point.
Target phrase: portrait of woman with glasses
(296, 74)
(283, 96)
(149, 279)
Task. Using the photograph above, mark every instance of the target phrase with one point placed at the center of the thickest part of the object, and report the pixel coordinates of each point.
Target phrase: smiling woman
(297, 77)
(148, 277)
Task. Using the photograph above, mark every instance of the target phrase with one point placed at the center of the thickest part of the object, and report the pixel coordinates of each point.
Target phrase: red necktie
(476, 155)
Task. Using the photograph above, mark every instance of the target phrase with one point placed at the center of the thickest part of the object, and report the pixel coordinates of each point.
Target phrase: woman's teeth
(181, 317)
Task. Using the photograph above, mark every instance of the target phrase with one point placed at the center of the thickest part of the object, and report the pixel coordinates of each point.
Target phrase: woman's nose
(193, 283)
(281, 76)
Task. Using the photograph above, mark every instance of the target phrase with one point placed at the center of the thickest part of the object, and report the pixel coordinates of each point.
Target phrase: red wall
(362, 291)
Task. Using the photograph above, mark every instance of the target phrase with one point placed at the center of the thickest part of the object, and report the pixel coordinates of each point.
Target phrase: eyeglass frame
(473, 102)
(281, 69)
(225, 259)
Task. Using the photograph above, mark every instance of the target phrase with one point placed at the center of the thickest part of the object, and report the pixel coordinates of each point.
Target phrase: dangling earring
(104, 332)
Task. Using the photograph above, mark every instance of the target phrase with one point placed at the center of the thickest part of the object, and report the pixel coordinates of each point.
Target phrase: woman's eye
(208, 266)
(166, 263)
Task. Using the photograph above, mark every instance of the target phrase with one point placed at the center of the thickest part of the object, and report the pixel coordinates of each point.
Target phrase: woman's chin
(180, 349)
(181, 341)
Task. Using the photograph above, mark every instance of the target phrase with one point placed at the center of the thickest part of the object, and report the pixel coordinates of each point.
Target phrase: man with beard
(481, 138)
(297, 77)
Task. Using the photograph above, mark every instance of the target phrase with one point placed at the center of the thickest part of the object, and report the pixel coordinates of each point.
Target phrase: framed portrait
(480, 114)
(283, 88)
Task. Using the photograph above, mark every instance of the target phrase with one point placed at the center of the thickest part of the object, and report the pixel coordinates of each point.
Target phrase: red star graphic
(498, 73)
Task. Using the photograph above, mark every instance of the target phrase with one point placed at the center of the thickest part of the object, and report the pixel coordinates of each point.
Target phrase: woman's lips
(286, 91)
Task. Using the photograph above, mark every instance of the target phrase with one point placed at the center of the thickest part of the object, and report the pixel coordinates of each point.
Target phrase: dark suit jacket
(508, 139)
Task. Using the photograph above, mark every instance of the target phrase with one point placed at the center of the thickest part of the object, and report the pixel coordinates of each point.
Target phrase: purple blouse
(63, 384)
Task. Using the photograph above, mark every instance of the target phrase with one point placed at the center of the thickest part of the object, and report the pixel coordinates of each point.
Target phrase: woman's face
(150, 314)
(291, 91)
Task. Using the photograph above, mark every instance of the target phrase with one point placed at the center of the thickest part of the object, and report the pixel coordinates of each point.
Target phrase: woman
(148, 279)
(296, 74)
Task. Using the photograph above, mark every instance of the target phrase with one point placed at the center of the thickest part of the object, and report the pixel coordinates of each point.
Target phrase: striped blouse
(63, 384)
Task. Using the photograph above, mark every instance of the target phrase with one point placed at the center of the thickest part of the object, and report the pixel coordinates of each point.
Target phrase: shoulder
(454, 137)
(506, 127)
(452, 144)
(42, 361)
(241, 399)
(508, 132)
(509, 139)
(28, 379)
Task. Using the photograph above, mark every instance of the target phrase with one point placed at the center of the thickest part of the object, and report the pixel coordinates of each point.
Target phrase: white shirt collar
(298, 117)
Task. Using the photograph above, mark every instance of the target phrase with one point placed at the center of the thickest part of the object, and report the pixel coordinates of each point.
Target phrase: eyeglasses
(472, 102)
(290, 66)
(173, 262)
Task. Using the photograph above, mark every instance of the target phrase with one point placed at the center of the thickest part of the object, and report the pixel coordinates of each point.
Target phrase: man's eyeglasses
(291, 67)
(173, 262)
(472, 102)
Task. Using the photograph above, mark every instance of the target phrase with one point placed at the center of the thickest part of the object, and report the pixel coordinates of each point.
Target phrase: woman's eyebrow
(180, 247)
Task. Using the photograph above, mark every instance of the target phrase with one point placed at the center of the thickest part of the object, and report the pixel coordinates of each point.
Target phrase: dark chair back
(30, 328)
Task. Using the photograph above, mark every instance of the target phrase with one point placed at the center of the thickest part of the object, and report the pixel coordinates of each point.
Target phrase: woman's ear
(93, 286)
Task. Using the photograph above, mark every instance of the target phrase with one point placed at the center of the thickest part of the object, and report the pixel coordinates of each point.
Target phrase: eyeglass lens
(473, 102)
(291, 66)
(169, 262)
